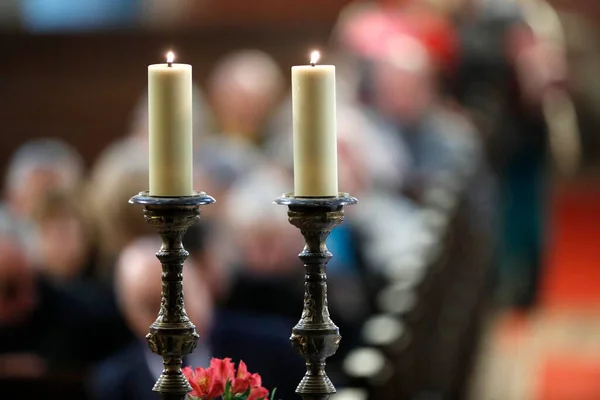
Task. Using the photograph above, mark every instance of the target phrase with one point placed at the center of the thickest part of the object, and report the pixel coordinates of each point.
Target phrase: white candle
(170, 128)
(315, 139)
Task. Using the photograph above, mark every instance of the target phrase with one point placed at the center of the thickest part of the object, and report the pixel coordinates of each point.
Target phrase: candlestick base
(172, 335)
(315, 336)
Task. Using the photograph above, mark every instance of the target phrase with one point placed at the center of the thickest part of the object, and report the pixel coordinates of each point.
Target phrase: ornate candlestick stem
(172, 335)
(315, 336)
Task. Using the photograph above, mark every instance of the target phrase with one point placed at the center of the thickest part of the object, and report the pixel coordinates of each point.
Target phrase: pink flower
(245, 379)
(224, 369)
(258, 393)
(211, 383)
(205, 383)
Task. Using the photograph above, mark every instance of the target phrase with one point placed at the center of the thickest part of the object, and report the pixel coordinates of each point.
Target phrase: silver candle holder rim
(342, 199)
(197, 199)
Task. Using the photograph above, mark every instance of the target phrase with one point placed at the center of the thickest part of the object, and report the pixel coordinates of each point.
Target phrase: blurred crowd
(431, 93)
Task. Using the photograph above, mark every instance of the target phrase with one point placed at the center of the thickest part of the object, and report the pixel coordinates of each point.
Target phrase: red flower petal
(240, 385)
(203, 382)
(188, 372)
(190, 375)
(255, 380)
(196, 390)
(224, 369)
(258, 393)
(216, 389)
(242, 371)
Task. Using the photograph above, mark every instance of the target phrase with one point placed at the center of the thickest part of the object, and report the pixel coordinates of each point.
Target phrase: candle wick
(169, 64)
(312, 64)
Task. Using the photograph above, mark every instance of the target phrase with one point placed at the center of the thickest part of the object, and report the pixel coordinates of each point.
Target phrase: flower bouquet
(221, 381)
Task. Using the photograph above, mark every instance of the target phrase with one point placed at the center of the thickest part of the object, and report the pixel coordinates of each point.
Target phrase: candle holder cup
(315, 336)
(172, 335)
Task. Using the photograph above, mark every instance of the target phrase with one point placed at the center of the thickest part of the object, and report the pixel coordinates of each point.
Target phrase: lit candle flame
(170, 57)
(314, 57)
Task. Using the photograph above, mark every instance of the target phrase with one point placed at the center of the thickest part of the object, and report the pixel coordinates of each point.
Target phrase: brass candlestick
(172, 335)
(315, 336)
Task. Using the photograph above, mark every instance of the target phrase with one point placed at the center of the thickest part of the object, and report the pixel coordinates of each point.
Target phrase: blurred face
(199, 303)
(17, 289)
(242, 110)
(270, 248)
(64, 243)
(402, 95)
(36, 184)
(142, 304)
(141, 296)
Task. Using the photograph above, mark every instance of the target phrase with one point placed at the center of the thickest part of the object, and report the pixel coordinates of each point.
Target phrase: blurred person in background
(405, 93)
(37, 167)
(352, 271)
(444, 144)
(244, 88)
(511, 65)
(206, 240)
(364, 27)
(265, 265)
(68, 259)
(115, 179)
(44, 328)
(64, 238)
(44, 181)
(218, 165)
(400, 84)
(266, 287)
(18, 299)
(131, 373)
(401, 54)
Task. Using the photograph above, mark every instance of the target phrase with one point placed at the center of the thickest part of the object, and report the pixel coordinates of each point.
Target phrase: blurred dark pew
(421, 341)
